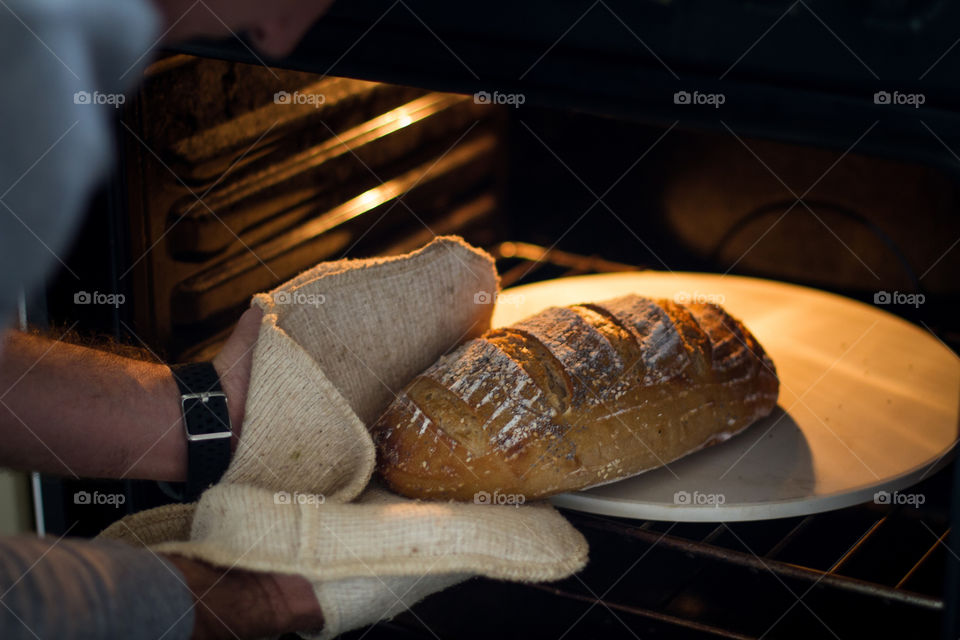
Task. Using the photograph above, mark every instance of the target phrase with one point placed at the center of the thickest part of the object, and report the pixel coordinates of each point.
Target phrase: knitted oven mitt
(335, 345)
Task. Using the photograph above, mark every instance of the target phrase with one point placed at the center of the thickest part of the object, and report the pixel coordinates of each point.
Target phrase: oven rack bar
(806, 574)
(693, 625)
(533, 257)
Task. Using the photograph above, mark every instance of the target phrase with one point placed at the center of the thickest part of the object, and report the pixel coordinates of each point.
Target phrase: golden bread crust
(573, 397)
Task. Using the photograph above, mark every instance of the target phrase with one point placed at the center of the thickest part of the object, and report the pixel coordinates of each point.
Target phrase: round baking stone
(868, 406)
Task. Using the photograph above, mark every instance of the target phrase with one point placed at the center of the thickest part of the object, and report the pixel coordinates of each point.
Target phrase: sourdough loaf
(574, 397)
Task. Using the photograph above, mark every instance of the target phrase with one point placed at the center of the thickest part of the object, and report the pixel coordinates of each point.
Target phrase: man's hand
(233, 603)
(233, 365)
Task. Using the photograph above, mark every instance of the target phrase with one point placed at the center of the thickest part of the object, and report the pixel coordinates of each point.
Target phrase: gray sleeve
(77, 590)
(65, 64)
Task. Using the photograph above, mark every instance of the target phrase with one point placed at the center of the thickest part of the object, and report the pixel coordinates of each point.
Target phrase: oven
(808, 142)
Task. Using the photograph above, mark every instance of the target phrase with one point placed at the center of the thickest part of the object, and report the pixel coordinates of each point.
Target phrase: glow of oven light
(403, 116)
(370, 199)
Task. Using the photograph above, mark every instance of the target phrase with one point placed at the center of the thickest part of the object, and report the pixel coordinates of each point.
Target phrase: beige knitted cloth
(336, 344)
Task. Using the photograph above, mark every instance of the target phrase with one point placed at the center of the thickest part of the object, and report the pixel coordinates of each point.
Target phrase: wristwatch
(206, 422)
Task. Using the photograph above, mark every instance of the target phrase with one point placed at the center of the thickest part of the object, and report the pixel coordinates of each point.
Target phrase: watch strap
(207, 426)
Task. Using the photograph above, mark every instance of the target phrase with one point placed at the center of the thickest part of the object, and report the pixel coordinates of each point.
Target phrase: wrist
(165, 457)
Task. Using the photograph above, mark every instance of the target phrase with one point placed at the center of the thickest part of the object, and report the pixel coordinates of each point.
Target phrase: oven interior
(222, 190)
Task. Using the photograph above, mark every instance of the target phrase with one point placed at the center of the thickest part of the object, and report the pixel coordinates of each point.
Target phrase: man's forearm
(71, 410)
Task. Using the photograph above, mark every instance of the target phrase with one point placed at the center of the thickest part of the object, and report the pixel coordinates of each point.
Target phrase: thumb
(234, 362)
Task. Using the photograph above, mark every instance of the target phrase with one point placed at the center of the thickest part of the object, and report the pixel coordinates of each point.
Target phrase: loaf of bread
(574, 397)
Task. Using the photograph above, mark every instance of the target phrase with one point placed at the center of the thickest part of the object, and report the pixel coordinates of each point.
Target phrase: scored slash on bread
(574, 397)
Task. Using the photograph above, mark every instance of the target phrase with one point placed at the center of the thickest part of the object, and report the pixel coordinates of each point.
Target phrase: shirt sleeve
(73, 589)
(65, 65)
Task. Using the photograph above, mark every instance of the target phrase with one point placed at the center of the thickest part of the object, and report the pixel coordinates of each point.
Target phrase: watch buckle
(203, 396)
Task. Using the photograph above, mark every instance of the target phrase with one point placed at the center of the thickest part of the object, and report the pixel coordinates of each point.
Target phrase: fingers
(234, 603)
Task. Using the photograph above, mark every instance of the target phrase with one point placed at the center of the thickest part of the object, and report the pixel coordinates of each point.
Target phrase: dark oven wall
(680, 199)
